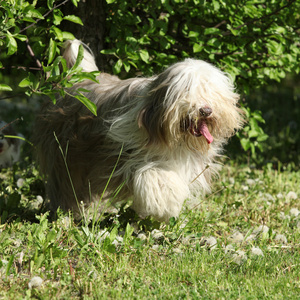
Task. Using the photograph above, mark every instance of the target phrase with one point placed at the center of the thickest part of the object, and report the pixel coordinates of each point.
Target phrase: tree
(252, 40)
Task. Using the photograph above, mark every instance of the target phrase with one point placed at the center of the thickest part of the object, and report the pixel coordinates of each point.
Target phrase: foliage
(252, 134)
(34, 29)
(252, 40)
(281, 109)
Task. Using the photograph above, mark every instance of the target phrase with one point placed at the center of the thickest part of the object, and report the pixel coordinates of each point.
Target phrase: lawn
(240, 242)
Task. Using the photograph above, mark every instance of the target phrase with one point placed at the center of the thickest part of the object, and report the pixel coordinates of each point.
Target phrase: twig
(207, 166)
(259, 19)
(33, 55)
(45, 15)
(12, 96)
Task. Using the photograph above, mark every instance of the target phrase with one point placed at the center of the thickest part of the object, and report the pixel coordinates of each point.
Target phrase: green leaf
(193, 34)
(25, 82)
(87, 102)
(108, 51)
(68, 35)
(57, 32)
(245, 144)
(11, 44)
(211, 31)
(9, 264)
(52, 51)
(113, 234)
(5, 87)
(263, 137)
(50, 3)
(117, 67)
(78, 238)
(73, 19)
(128, 232)
(144, 54)
(126, 66)
(21, 37)
(31, 12)
(75, 2)
(30, 81)
(79, 57)
(197, 47)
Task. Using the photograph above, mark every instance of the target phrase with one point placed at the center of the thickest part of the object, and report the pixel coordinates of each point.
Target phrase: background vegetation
(242, 238)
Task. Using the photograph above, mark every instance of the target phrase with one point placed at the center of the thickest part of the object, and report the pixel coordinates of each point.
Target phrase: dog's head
(191, 102)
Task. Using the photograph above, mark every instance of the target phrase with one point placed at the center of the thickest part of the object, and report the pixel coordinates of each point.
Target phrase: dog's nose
(205, 111)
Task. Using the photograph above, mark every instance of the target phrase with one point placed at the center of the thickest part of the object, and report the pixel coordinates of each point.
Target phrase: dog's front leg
(159, 193)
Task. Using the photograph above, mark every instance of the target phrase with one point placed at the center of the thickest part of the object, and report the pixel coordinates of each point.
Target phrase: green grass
(80, 261)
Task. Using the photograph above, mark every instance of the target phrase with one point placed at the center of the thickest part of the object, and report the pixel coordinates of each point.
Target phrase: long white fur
(160, 172)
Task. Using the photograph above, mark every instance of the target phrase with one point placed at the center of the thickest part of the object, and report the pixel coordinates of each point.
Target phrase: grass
(197, 256)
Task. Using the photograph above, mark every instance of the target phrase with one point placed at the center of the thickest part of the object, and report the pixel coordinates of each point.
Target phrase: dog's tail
(70, 54)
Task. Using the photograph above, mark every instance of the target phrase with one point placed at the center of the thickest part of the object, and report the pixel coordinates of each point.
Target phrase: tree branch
(45, 15)
(33, 55)
(261, 18)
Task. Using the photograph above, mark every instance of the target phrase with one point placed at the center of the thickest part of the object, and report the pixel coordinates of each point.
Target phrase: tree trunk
(92, 14)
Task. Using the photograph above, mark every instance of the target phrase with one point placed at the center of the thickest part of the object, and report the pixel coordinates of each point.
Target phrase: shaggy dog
(9, 147)
(150, 142)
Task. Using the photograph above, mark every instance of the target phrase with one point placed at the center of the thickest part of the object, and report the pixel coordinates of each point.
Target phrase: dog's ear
(152, 116)
(150, 120)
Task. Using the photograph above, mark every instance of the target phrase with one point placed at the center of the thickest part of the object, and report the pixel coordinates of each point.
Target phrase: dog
(151, 141)
(9, 147)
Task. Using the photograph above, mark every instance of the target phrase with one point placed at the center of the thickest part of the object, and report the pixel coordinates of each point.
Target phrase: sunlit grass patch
(240, 242)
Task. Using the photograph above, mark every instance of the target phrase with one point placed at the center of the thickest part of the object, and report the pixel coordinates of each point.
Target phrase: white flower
(239, 257)
(251, 237)
(177, 251)
(250, 181)
(102, 235)
(20, 182)
(142, 236)
(256, 251)
(210, 242)
(36, 204)
(65, 222)
(280, 238)
(229, 248)
(35, 282)
(155, 247)
(231, 180)
(291, 196)
(294, 212)
(118, 240)
(183, 225)
(282, 216)
(279, 196)
(269, 197)
(261, 229)
(236, 237)
(156, 234)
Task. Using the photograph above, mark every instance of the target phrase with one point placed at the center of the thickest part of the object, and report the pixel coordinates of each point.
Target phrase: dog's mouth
(199, 126)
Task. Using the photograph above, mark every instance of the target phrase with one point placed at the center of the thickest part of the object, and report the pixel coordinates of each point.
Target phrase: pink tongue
(205, 132)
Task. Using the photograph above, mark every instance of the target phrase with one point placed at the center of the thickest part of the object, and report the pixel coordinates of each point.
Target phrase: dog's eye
(1, 137)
